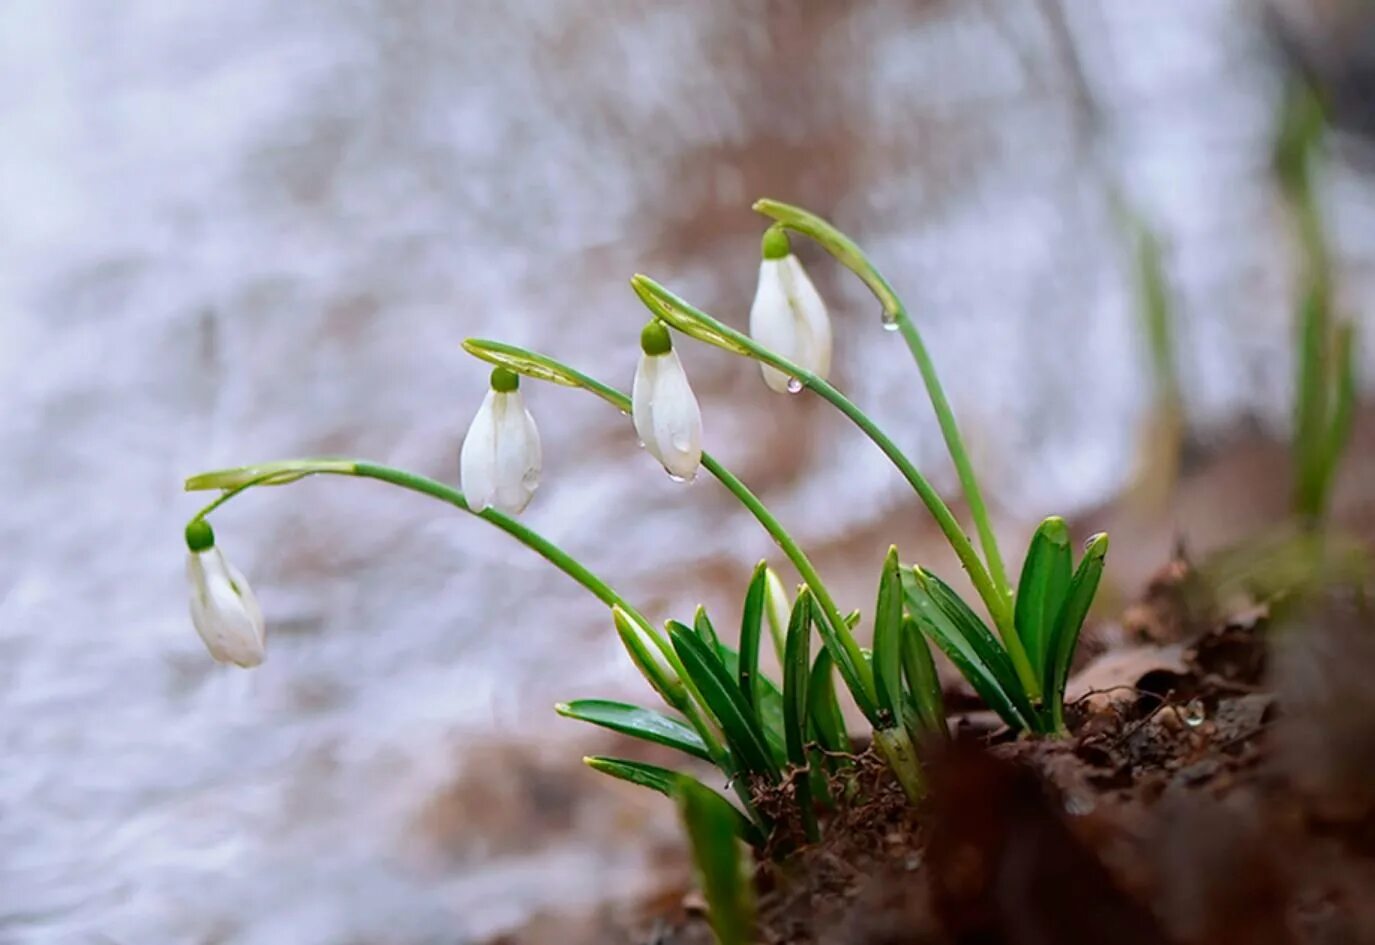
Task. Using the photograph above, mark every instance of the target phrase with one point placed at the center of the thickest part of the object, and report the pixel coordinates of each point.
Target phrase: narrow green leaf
(660, 677)
(1343, 411)
(751, 628)
(721, 869)
(924, 683)
(721, 693)
(1041, 590)
(970, 646)
(768, 707)
(701, 623)
(797, 665)
(828, 722)
(1082, 588)
(1311, 401)
(888, 641)
(636, 722)
(665, 782)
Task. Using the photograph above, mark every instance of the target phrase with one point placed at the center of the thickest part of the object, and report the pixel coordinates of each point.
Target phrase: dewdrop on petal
(788, 316)
(499, 465)
(667, 418)
(223, 608)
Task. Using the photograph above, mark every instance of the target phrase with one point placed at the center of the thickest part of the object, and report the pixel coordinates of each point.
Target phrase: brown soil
(1219, 788)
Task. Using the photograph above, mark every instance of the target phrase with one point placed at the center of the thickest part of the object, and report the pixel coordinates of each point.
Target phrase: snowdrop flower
(223, 608)
(667, 418)
(500, 462)
(788, 316)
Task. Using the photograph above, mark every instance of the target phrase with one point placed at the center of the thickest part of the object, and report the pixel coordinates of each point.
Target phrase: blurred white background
(239, 232)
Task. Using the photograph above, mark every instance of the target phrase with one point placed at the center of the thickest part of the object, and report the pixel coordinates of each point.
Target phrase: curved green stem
(236, 481)
(850, 659)
(695, 323)
(848, 253)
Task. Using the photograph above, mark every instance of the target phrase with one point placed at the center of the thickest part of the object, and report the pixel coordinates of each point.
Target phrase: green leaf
(888, 641)
(969, 644)
(828, 722)
(768, 709)
(665, 782)
(701, 623)
(751, 628)
(721, 868)
(1041, 590)
(796, 675)
(721, 693)
(660, 677)
(1082, 588)
(924, 683)
(1343, 410)
(637, 722)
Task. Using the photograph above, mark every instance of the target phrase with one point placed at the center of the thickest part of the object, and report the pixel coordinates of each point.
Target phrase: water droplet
(794, 385)
(677, 478)
(1194, 714)
(681, 441)
(530, 480)
(890, 320)
(639, 442)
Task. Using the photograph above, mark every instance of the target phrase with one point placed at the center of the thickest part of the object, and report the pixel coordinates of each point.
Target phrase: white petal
(642, 403)
(477, 461)
(517, 459)
(677, 419)
(224, 609)
(771, 321)
(810, 311)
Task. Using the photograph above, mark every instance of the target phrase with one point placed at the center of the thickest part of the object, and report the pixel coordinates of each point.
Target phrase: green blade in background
(637, 722)
(665, 782)
(888, 641)
(721, 869)
(721, 693)
(1082, 588)
(751, 628)
(924, 683)
(1041, 590)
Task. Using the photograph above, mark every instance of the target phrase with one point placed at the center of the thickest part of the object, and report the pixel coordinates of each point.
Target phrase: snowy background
(238, 232)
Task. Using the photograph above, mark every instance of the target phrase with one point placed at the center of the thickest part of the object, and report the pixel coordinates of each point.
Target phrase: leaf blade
(637, 722)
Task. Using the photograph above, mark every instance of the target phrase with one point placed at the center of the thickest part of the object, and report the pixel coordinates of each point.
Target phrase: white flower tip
(224, 610)
(500, 463)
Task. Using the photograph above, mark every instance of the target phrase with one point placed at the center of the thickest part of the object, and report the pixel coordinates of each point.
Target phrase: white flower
(665, 410)
(500, 461)
(223, 608)
(788, 316)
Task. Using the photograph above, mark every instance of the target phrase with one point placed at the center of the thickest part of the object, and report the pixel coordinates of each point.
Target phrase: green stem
(859, 677)
(848, 253)
(526, 536)
(698, 324)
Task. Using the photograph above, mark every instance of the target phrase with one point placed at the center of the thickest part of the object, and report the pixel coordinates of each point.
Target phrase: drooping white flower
(224, 609)
(788, 316)
(500, 462)
(667, 418)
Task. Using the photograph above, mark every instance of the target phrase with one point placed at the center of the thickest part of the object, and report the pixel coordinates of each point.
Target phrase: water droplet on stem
(794, 385)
